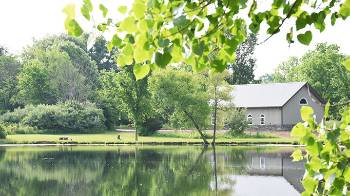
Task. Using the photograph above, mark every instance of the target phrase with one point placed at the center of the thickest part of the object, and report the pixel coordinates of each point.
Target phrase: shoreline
(287, 144)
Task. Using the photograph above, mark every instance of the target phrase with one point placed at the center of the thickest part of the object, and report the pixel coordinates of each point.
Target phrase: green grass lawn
(129, 137)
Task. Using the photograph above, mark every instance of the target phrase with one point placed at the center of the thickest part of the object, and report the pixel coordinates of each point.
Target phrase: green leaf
(297, 155)
(128, 25)
(305, 38)
(198, 48)
(69, 10)
(126, 56)
(116, 41)
(141, 71)
(104, 10)
(306, 113)
(299, 130)
(347, 174)
(326, 109)
(163, 59)
(315, 163)
(346, 63)
(176, 54)
(122, 9)
(181, 21)
(86, 9)
(139, 9)
(309, 184)
(289, 36)
(344, 10)
(73, 27)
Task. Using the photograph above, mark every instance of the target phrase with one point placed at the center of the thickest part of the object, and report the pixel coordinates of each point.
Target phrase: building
(276, 106)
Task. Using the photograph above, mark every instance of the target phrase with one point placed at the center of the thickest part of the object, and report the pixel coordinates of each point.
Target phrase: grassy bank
(128, 138)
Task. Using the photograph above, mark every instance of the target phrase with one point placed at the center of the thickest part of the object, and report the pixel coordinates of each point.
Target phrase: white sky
(21, 21)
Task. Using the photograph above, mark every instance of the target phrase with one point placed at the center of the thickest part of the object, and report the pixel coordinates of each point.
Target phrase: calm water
(164, 170)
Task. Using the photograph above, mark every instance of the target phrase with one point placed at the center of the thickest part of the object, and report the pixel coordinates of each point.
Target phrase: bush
(71, 116)
(2, 133)
(17, 115)
(150, 126)
(20, 129)
(236, 122)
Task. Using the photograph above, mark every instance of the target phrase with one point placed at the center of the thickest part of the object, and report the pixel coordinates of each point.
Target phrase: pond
(148, 170)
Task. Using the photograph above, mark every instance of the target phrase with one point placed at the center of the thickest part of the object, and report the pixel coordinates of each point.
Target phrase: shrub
(2, 133)
(70, 115)
(236, 122)
(20, 129)
(17, 115)
(150, 126)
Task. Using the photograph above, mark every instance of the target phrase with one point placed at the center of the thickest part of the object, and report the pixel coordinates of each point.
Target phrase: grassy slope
(128, 137)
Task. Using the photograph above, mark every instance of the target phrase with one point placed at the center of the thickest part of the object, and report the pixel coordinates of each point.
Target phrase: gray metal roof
(264, 95)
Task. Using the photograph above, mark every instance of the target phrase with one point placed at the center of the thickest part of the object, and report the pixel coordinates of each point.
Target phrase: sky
(21, 21)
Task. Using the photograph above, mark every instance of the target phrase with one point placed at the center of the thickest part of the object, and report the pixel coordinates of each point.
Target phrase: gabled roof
(267, 95)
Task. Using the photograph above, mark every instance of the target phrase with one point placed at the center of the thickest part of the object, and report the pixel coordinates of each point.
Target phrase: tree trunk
(215, 116)
(215, 172)
(197, 127)
(137, 126)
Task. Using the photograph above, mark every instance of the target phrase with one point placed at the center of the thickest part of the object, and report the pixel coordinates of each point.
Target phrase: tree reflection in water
(122, 170)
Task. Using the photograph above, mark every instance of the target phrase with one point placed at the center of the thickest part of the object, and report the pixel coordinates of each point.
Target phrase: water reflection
(148, 171)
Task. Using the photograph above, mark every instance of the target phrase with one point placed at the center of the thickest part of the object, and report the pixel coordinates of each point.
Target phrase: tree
(204, 34)
(33, 84)
(103, 56)
(184, 93)
(131, 94)
(220, 95)
(77, 55)
(323, 69)
(49, 77)
(243, 67)
(67, 73)
(287, 71)
(9, 69)
(266, 78)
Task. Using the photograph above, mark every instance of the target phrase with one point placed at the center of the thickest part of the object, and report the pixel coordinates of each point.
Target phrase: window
(262, 119)
(250, 119)
(303, 101)
(262, 163)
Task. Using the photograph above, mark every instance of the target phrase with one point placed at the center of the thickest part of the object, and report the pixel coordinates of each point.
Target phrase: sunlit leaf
(69, 10)
(128, 25)
(122, 9)
(104, 10)
(139, 9)
(141, 71)
(344, 10)
(297, 155)
(86, 9)
(306, 113)
(73, 27)
(347, 64)
(298, 130)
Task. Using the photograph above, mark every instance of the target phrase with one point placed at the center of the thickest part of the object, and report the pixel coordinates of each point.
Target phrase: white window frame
(303, 103)
(249, 116)
(262, 117)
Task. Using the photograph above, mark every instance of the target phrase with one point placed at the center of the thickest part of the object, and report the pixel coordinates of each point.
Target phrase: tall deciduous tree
(65, 72)
(9, 69)
(243, 68)
(132, 95)
(185, 93)
(323, 68)
(220, 95)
